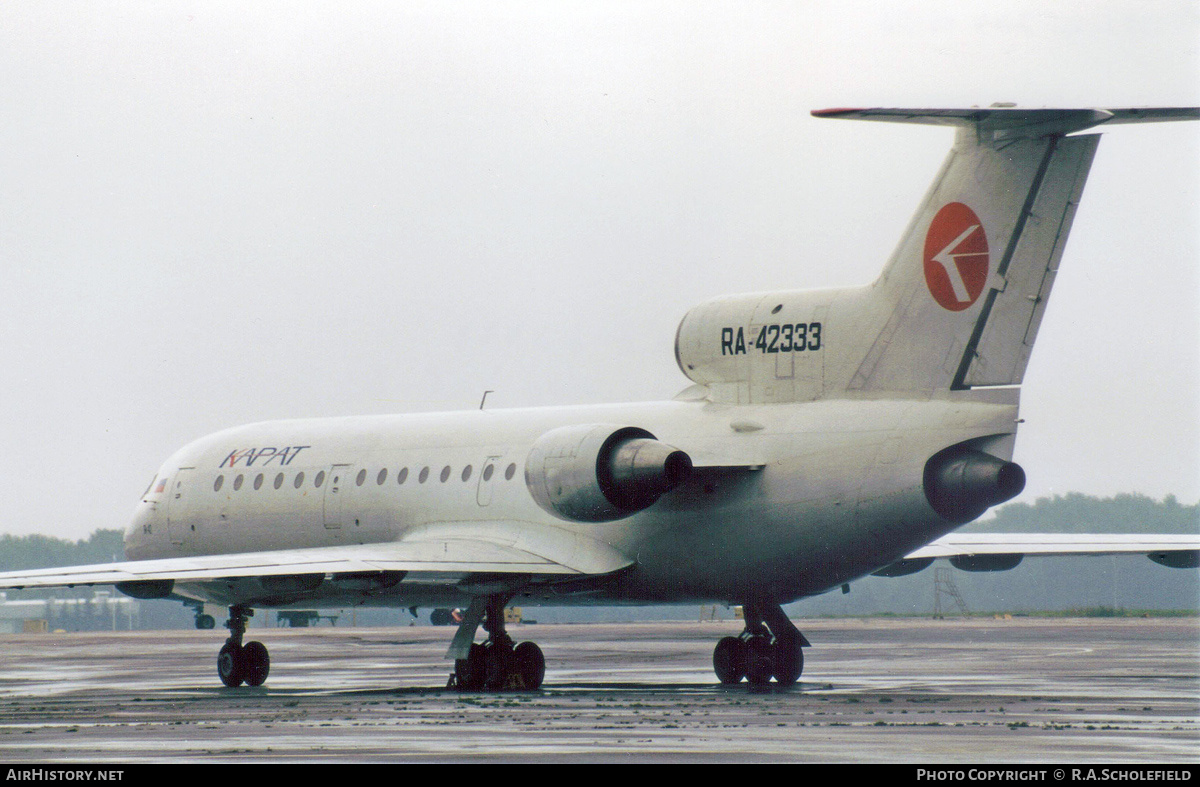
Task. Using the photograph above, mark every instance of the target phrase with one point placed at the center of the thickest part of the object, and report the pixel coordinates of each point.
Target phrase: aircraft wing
(448, 548)
(992, 551)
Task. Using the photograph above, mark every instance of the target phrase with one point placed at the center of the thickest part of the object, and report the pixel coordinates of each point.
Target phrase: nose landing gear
(769, 647)
(238, 663)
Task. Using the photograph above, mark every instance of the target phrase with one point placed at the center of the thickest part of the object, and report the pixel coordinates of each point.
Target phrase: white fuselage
(786, 500)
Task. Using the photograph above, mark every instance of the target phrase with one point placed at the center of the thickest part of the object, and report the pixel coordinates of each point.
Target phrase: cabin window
(217, 484)
(445, 473)
(320, 479)
(258, 479)
(299, 480)
(424, 474)
(487, 472)
(279, 480)
(508, 473)
(362, 476)
(379, 479)
(402, 475)
(466, 473)
(237, 482)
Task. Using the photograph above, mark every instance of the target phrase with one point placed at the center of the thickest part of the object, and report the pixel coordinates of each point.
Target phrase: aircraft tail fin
(967, 287)
(958, 304)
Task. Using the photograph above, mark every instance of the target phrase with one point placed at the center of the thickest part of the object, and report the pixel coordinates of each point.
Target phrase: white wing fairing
(829, 435)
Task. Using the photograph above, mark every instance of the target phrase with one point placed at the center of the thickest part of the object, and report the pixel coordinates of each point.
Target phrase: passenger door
(337, 488)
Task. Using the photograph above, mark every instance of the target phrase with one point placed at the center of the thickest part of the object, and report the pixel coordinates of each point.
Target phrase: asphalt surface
(873, 691)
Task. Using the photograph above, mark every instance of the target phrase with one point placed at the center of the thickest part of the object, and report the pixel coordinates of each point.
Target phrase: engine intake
(962, 483)
(602, 472)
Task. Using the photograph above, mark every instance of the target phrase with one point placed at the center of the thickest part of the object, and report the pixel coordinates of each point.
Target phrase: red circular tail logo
(956, 257)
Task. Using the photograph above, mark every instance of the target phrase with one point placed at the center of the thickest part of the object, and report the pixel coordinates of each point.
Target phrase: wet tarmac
(874, 691)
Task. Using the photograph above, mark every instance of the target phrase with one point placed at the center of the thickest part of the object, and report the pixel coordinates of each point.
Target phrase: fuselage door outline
(336, 488)
(177, 504)
(483, 494)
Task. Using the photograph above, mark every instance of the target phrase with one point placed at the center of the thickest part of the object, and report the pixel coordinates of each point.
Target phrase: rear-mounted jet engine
(602, 472)
(962, 483)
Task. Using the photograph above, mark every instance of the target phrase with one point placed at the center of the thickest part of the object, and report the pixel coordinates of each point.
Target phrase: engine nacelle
(986, 562)
(602, 472)
(902, 568)
(147, 588)
(961, 483)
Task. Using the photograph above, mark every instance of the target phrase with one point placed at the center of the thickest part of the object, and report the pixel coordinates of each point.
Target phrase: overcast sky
(214, 213)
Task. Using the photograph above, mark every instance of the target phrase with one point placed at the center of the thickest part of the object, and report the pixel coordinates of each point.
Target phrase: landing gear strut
(238, 663)
(496, 664)
(203, 621)
(769, 647)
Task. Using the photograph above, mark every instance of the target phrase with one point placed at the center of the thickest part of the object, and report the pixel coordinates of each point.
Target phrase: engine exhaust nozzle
(643, 469)
(962, 484)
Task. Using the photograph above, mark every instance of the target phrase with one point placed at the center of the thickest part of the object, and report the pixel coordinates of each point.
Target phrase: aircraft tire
(530, 664)
(470, 672)
(497, 665)
(788, 662)
(205, 622)
(256, 663)
(729, 660)
(230, 665)
(759, 666)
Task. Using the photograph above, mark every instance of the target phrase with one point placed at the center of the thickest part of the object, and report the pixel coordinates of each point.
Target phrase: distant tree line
(35, 551)
(1077, 513)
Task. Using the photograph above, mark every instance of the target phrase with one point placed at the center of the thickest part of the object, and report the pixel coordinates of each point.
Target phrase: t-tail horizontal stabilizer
(1017, 121)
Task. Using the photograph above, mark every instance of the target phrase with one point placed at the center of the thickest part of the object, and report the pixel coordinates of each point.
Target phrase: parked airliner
(826, 435)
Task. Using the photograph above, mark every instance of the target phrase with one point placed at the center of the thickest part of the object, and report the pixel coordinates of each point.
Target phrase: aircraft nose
(140, 529)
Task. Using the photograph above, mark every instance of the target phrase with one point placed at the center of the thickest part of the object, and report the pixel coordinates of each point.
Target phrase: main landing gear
(496, 664)
(769, 647)
(238, 663)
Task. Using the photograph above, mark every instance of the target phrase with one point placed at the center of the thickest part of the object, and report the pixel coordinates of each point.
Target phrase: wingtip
(834, 111)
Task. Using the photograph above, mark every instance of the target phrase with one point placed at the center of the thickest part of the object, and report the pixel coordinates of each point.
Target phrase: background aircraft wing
(465, 548)
(1176, 551)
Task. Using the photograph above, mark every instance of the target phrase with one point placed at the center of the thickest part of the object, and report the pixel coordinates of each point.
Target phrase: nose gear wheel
(238, 663)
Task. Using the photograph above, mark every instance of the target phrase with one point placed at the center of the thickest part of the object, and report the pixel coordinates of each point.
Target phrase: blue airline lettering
(270, 453)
